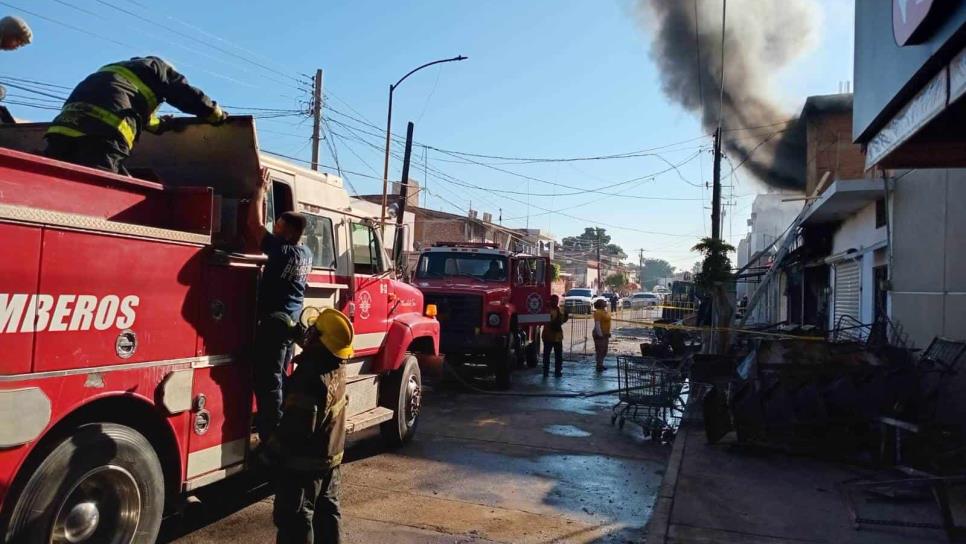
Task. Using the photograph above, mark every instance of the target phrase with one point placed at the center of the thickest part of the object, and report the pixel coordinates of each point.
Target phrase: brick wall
(830, 149)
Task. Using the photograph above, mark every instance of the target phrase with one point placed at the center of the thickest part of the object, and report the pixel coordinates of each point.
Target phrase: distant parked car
(642, 300)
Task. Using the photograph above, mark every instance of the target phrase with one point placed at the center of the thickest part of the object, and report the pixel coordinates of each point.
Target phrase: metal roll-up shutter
(847, 291)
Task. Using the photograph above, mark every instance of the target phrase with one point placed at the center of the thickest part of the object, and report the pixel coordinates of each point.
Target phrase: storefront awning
(842, 199)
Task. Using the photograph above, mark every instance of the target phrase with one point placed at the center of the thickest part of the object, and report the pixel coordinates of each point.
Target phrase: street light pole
(385, 162)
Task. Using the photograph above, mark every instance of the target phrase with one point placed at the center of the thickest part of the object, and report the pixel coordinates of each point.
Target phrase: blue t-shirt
(282, 287)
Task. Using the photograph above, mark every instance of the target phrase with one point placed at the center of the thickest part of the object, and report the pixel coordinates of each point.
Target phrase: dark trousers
(272, 354)
(87, 151)
(557, 348)
(307, 507)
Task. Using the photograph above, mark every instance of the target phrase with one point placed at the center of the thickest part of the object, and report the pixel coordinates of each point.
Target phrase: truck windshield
(579, 293)
(482, 267)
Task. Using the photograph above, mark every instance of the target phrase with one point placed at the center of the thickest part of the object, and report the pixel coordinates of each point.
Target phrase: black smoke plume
(761, 37)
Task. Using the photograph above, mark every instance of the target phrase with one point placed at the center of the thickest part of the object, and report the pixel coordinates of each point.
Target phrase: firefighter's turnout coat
(118, 101)
(311, 434)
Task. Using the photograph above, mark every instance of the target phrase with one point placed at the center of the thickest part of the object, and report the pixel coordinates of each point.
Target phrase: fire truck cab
(127, 312)
(491, 303)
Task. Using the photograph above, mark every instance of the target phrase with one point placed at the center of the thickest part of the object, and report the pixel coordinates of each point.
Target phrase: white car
(579, 300)
(642, 300)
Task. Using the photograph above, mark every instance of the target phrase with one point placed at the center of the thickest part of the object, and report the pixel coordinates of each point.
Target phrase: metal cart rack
(651, 395)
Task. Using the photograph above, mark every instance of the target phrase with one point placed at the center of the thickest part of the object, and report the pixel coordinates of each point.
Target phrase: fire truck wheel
(103, 483)
(519, 351)
(401, 392)
(504, 363)
(533, 352)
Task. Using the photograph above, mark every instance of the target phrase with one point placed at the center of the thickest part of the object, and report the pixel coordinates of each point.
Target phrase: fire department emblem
(534, 303)
(365, 304)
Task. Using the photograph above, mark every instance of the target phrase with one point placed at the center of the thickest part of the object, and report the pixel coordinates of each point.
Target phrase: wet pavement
(482, 468)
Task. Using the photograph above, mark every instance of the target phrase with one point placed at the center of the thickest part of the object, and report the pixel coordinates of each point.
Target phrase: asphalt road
(482, 468)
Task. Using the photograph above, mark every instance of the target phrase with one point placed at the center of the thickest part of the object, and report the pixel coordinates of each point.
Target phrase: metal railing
(578, 339)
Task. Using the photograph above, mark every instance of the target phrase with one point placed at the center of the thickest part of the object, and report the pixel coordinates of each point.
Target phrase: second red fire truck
(491, 303)
(127, 308)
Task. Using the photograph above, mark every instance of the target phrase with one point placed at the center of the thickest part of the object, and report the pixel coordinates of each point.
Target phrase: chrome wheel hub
(81, 522)
(413, 400)
(103, 506)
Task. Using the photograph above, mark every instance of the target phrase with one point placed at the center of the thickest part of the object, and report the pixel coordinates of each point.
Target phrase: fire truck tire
(103, 483)
(504, 363)
(533, 351)
(401, 392)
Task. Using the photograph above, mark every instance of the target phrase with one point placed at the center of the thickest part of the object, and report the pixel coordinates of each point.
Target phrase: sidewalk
(729, 493)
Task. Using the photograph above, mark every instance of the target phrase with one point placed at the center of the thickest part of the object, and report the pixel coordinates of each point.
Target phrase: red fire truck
(126, 319)
(491, 303)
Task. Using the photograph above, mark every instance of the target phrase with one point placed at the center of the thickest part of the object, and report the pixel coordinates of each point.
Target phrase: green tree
(716, 266)
(715, 273)
(588, 240)
(616, 281)
(554, 271)
(654, 270)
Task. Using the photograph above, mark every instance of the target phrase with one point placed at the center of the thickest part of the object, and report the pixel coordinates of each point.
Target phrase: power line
(575, 190)
(198, 40)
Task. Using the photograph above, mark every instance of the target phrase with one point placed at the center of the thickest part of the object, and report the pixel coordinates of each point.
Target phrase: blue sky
(544, 79)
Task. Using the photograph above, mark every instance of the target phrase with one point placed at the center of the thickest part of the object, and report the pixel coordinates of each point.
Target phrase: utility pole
(600, 265)
(716, 188)
(317, 118)
(640, 268)
(403, 195)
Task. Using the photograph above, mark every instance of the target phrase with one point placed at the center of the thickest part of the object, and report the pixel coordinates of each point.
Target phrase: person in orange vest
(601, 332)
(552, 337)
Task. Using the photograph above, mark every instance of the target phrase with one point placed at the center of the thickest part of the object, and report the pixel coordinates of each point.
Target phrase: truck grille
(457, 314)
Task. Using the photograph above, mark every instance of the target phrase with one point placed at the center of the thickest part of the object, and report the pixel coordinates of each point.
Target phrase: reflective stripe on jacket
(311, 434)
(119, 101)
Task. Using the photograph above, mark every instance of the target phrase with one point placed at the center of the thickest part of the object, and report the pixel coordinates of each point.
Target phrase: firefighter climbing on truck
(281, 291)
(104, 115)
(307, 447)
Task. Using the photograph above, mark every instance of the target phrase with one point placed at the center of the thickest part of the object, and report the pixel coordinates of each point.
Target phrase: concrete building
(910, 84)
(769, 221)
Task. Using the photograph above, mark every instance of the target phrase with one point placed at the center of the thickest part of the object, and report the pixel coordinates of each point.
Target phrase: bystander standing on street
(552, 337)
(601, 332)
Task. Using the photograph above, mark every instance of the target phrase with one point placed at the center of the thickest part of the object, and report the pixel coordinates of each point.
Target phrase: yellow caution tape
(673, 326)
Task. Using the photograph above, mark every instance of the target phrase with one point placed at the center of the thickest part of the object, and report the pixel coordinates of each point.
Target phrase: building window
(880, 213)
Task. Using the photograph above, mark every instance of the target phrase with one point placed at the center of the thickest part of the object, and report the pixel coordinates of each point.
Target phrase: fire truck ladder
(783, 251)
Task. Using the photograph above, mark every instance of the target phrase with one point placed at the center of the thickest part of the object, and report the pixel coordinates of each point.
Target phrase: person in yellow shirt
(601, 332)
(552, 336)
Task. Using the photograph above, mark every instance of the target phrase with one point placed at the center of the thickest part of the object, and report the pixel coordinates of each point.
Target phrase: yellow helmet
(335, 332)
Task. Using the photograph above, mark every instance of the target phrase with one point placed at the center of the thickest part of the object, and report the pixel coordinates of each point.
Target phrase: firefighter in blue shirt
(280, 295)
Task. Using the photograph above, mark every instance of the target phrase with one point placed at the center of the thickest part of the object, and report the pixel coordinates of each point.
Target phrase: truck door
(370, 316)
(531, 289)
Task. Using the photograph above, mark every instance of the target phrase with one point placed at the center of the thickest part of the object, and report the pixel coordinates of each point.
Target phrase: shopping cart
(650, 394)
